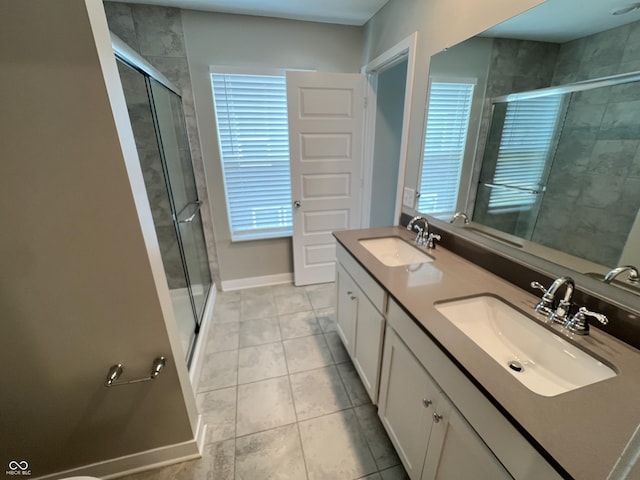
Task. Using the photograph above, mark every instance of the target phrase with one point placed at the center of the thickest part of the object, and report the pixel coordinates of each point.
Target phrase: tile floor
(281, 397)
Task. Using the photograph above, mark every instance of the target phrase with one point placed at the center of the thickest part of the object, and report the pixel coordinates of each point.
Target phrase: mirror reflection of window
(516, 164)
(525, 148)
(444, 146)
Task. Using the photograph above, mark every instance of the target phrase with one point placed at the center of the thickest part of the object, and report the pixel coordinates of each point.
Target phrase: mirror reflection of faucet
(458, 215)
(633, 278)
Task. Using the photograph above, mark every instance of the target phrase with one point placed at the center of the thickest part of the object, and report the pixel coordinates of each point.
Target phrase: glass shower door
(161, 140)
(141, 113)
(186, 205)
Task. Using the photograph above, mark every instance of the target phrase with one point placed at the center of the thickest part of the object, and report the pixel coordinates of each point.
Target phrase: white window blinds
(251, 112)
(445, 139)
(527, 138)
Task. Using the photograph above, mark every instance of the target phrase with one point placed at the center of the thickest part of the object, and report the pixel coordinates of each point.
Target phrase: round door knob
(437, 417)
(297, 204)
(426, 402)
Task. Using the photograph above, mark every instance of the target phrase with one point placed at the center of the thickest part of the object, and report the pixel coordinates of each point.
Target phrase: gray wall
(260, 42)
(595, 177)
(439, 24)
(388, 137)
(156, 33)
(82, 283)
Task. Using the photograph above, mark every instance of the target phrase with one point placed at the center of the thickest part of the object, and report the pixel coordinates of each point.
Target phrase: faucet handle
(579, 323)
(602, 318)
(430, 240)
(545, 305)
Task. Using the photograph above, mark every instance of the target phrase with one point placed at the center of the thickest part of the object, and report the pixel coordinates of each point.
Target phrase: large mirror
(535, 126)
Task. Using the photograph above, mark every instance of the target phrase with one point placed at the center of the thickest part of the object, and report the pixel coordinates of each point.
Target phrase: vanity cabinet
(456, 451)
(432, 438)
(408, 398)
(360, 320)
(441, 425)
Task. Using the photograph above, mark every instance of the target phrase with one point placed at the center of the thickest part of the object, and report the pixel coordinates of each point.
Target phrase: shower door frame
(132, 59)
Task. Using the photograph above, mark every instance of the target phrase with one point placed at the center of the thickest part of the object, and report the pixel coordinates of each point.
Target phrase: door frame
(404, 50)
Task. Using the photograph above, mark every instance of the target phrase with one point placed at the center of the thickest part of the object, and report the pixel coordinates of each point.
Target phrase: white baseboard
(138, 462)
(197, 359)
(265, 281)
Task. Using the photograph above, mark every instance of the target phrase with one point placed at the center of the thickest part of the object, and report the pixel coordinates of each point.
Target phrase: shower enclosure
(157, 118)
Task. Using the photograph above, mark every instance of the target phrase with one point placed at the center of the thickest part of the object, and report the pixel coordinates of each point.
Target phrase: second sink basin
(394, 252)
(541, 360)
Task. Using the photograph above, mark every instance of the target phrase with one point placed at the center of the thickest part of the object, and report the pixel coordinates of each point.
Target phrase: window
(251, 112)
(527, 137)
(445, 140)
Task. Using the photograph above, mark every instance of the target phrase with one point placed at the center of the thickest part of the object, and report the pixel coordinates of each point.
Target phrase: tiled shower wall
(595, 176)
(156, 34)
(516, 66)
(139, 108)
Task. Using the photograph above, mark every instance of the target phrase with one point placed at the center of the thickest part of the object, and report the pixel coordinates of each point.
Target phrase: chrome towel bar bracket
(116, 370)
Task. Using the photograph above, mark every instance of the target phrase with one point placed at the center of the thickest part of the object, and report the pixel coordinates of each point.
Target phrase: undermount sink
(542, 361)
(394, 252)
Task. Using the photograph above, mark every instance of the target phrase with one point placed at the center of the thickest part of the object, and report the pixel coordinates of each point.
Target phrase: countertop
(585, 430)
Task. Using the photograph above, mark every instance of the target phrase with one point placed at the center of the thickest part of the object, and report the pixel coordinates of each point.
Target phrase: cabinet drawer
(369, 286)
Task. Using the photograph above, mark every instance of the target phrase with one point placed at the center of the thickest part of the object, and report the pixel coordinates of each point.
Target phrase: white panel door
(326, 112)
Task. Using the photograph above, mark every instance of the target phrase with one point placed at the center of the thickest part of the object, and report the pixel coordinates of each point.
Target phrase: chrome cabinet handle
(426, 402)
(437, 417)
(297, 204)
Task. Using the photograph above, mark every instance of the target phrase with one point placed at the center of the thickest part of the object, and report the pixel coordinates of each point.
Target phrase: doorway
(390, 87)
(387, 144)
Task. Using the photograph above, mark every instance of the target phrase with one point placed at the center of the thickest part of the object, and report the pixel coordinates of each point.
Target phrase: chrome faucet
(423, 237)
(557, 313)
(459, 215)
(412, 225)
(634, 278)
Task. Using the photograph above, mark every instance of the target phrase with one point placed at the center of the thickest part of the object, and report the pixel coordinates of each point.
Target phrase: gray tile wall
(593, 193)
(516, 66)
(156, 34)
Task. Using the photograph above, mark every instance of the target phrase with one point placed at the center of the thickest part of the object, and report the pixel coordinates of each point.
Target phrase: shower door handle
(190, 218)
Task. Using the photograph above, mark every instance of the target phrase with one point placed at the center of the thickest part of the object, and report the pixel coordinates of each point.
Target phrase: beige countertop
(584, 430)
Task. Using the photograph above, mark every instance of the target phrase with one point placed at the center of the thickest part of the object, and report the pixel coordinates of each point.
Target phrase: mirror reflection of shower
(157, 119)
(553, 172)
(517, 160)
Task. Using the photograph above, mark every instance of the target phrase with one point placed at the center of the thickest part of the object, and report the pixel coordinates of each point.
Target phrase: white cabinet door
(456, 451)
(408, 398)
(347, 307)
(367, 344)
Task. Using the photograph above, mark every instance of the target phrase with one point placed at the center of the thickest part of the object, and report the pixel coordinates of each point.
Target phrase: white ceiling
(560, 21)
(345, 12)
